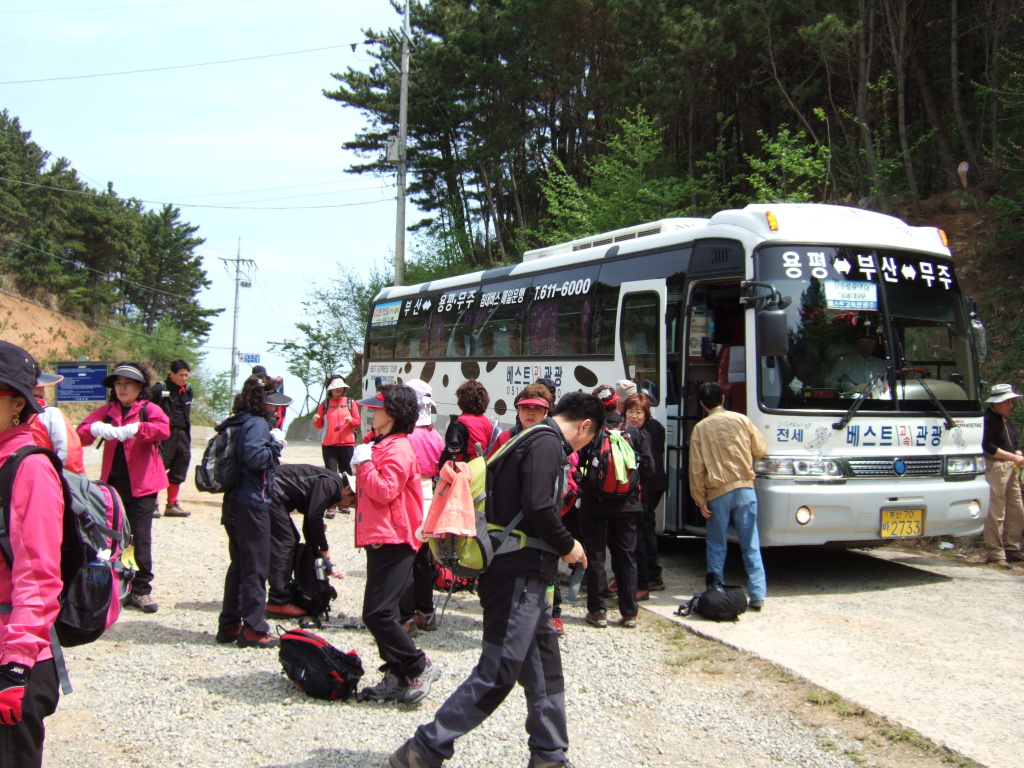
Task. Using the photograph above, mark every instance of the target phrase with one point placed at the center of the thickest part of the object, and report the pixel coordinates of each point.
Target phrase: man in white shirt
(861, 368)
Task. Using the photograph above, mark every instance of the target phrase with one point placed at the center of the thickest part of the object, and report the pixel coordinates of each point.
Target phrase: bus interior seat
(732, 377)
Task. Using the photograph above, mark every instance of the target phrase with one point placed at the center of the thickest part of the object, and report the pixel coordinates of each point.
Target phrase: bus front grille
(918, 466)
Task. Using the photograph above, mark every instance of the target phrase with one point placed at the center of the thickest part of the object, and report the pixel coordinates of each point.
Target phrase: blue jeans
(740, 507)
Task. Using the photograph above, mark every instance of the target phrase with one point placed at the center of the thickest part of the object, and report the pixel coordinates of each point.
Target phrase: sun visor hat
(337, 383)
(277, 398)
(126, 372)
(18, 372)
(1001, 393)
(534, 401)
(48, 379)
(377, 401)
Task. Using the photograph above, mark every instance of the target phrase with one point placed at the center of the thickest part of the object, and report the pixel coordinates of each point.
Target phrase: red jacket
(37, 509)
(52, 429)
(145, 467)
(389, 507)
(339, 432)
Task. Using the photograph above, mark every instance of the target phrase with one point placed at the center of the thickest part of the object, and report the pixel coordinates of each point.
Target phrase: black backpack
(318, 668)
(219, 469)
(719, 603)
(311, 587)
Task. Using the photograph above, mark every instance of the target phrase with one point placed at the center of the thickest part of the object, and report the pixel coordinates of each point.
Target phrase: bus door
(642, 336)
(669, 518)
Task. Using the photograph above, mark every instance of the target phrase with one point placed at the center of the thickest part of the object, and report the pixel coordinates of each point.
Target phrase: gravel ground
(157, 691)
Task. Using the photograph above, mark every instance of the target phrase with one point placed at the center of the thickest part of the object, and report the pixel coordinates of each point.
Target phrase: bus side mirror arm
(771, 322)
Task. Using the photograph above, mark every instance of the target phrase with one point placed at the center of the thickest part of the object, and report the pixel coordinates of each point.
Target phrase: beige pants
(1005, 522)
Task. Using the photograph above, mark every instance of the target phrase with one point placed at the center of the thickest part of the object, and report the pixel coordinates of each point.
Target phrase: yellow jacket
(723, 448)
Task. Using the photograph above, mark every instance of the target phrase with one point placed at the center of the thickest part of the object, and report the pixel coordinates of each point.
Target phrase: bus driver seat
(732, 377)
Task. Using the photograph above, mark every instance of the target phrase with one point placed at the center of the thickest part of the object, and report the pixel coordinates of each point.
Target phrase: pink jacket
(145, 467)
(427, 444)
(389, 506)
(37, 508)
(338, 432)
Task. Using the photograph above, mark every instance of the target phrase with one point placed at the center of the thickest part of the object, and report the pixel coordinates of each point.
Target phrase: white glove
(102, 431)
(362, 453)
(277, 436)
(127, 432)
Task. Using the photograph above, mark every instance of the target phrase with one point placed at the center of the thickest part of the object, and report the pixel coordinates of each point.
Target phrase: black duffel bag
(721, 602)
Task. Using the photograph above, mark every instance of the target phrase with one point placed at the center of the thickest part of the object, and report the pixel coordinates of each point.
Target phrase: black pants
(618, 534)
(284, 538)
(21, 745)
(647, 565)
(337, 457)
(245, 585)
(176, 451)
(139, 511)
(420, 594)
(388, 576)
(519, 646)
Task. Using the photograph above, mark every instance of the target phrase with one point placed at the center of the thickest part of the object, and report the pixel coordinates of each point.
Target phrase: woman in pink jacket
(132, 429)
(389, 510)
(30, 584)
(341, 417)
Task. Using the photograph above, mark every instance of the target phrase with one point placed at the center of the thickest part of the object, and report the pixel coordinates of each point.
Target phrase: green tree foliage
(96, 254)
(789, 169)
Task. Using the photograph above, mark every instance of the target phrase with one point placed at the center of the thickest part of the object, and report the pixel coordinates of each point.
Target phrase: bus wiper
(851, 411)
(931, 395)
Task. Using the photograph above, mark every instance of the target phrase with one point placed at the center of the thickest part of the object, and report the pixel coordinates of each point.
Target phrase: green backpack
(470, 555)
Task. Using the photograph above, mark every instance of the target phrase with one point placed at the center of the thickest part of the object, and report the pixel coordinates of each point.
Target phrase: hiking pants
(519, 646)
(420, 594)
(618, 534)
(647, 565)
(388, 576)
(139, 511)
(176, 452)
(284, 539)
(245, 585)
(1005, 521)
(337, 457)
(21, 745)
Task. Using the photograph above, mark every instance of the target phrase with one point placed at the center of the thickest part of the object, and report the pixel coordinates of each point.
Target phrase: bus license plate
(897, 523)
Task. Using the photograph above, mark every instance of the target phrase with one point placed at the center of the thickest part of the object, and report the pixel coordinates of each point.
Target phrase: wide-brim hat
(377, 401)
(277, 398)
(48, 379)
(337, 383)
(126, 372)
(1001, 393)
(18, 371)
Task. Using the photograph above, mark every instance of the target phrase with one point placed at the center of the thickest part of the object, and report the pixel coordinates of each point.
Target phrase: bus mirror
(772, 331)
(978, 330)
(650, 389)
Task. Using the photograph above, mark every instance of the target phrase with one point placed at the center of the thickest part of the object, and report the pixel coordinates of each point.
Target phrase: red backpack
(602, 474)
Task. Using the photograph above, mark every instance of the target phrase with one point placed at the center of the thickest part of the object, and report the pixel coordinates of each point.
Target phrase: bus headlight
(965, 465)
(787, 467)
(974, 508)
(804, 515)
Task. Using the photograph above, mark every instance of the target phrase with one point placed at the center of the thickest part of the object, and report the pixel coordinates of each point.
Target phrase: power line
(183, 66)
(270, 189)
(124, 7)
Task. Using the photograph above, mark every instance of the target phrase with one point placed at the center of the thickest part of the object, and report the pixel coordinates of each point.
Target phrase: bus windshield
(884, 325)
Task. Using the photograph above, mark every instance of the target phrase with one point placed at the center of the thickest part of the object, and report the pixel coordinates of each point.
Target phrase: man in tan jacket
(723, 448)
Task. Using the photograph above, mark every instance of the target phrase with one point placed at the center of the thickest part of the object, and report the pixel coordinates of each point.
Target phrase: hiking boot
(331, 513)
(144, 603)
(999, 563)
(642, 594)
(250, 638)
(629, 622)
(597, 619)
(409, 625)
(390, 688)
(426, 621)
(538, 763)
(657, 584)
(175, 510)
(418, 688)
(756, 605)
(287, 610)
(228, 635)
(1014, 556)
(407, 757)
(559, 626)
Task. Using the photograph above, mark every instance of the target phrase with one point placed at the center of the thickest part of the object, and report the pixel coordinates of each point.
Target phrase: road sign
(83, 382)
(248, 358)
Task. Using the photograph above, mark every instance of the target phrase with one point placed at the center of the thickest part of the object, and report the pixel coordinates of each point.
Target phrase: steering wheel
(912, 369)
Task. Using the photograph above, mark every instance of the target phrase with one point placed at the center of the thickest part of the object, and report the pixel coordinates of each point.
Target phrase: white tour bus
(844, 334)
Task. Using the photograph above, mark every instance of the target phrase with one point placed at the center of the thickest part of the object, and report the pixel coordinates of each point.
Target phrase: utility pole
(403, 132)
(239, 283)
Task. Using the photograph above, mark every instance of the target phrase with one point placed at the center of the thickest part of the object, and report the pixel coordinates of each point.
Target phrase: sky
(257, 134)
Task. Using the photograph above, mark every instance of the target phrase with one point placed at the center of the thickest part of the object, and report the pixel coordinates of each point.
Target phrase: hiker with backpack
(245, 515)
(637, 410)
(340, 416)
(311, 491)
(29, 587)
(174, 396)
(389, 510)
(472, 428)
(519, 641)
(52, 429)
(615, 467)
(131, 430)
